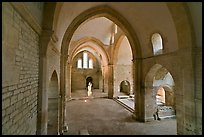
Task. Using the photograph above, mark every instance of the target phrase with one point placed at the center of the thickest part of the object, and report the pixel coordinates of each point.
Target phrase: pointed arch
(92, 43)
(151, 89)
(109, 13)
(53, 106)
(119, 20)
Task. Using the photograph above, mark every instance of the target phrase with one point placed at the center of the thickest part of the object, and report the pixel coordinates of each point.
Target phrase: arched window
(90, 64)
(157, 43)
(115, 29)
(79, 63)
(85, 60)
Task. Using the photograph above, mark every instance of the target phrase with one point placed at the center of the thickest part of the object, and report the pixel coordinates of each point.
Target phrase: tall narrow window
(115, 28)
(85, 60)
(157, 43)
(79, 63)
(90, 63)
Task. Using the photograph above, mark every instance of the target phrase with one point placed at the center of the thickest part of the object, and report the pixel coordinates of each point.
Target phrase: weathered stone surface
(18, 65)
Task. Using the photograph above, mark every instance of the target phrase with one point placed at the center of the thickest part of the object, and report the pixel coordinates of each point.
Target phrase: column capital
(44, 41)
(47, 33)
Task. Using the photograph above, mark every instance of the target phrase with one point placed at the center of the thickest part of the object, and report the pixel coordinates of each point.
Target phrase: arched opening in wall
(89, 79)
(113, 21)
(157, 44)
(165, 102)
(109, 35)
(159, 94)
(81, 76)
(123, 64)
(125, 87)
(97, 44)
(160, 97)
(107, 66)
(53, 118)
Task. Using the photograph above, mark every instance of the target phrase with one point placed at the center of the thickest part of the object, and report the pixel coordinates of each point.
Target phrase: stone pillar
(68, 81)
(150, 102)
(132, 86)
(138, 90)
(110, 81)
(67, 93)
(42, 94)
(63, 72)
(105, 78)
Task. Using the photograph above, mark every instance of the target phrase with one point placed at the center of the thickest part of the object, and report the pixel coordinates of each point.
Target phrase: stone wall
(53, 61)
(198, 88)
(79, 78)
(20, 67)
(121, 73)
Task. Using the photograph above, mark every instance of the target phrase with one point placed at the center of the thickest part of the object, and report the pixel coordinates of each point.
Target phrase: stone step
(124, 105)
(83, 132)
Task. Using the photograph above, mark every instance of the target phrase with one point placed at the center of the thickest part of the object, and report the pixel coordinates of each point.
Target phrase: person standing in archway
(89, 89)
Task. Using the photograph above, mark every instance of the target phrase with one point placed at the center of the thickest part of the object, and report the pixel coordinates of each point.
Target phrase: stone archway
(165, 101)
(118, 19)
(122, 61)
(157, 80)
(96, 51)
(90, 14)
(181, 35)
(53, 106)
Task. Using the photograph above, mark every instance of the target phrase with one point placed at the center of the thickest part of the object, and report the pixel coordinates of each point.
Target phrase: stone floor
(98, 115)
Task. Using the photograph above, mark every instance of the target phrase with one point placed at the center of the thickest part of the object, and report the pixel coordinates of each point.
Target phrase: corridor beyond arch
(118, 19)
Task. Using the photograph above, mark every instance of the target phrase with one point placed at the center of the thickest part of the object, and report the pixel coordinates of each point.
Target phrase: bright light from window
(79, 63)
(157, 43)
(115, 29)
(90, 63)
(85, 60)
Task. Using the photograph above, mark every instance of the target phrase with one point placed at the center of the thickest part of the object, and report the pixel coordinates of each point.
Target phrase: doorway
(89, 79)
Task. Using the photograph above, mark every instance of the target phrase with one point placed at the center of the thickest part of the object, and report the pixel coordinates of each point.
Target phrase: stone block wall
(121, 73)
(79, 78)
(20, 69)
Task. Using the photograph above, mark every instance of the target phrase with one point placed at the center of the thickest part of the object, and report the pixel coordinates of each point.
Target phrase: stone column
(67, 94)
(150, 102)
(68, 81)
(63, 72)
(105, 78)
(138, 90)
(42, 94)
(110, 81)
(132, 88)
